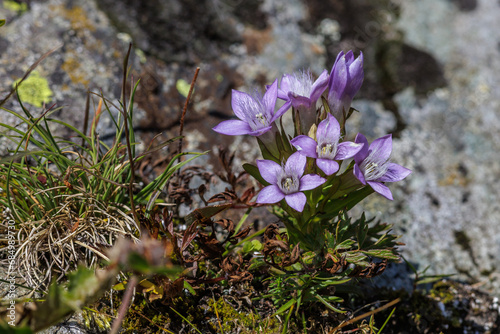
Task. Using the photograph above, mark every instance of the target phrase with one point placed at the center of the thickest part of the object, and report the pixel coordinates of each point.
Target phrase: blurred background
(431, 79)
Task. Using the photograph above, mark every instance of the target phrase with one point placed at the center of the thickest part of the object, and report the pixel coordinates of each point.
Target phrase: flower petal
(319, 86)
(356, 76)
(363, 153)
(347, 150)
(338, 78)
(328, 130)
(311, 181)
(238, 99)
(299, 100)
(269, 170)
(381, 189)
(381, 148)
(359, 174)
(349, 57)
(297, 201)
(260, 131)
(395, 173)
(233, 128)
(270, 194)
(284, 108)
(305, 145)
(328, 166)
(284, 87)
(296, 163)
(269, 98)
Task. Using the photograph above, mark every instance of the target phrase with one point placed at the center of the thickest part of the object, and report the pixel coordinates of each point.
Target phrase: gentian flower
(287, 181)
(256, 114)
(372, 165)
(345, 80)
(302, 93)
(326, 148)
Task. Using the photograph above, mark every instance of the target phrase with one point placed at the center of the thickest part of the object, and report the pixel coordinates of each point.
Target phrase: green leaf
(285, 307)
(346, 244)
(327, 304)
(355, 257)
(2, 22)
(252, 246)
(182, 87)
(254, 171)
(382, 253)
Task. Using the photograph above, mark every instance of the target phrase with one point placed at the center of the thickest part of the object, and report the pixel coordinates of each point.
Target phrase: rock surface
(431, 79)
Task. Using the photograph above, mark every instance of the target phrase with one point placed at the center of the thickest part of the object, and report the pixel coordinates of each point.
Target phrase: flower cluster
(309, 160)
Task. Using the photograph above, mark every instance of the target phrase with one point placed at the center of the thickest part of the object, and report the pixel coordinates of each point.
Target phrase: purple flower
(287, 182)
(345, 80)
(256, 114)
(302, 93)
(326, 148)
(372, 165)
(299, 89)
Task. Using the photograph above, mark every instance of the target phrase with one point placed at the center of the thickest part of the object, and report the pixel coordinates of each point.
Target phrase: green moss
(231, 320)
(34, 90)
(443, 292)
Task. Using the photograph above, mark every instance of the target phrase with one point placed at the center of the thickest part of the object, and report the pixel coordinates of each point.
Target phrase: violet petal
(311, 181)
(283, 109)
(347, 150)
(319, 86)
(381, 148)
(395, 173)
(356, 76)
(359, 174)
(328, 130)
(284, 87)
(299, 100)
(328, 166)
(270, 194)
(363, 153)
(270, 96)
(381, 189)
(260, 131)
(297, 201)
(269, 170)
(237, 101)
(305, 145)
(296, 163)
(233, 128)
(338, 78)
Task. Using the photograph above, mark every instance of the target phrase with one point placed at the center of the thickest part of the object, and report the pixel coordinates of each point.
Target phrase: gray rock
(431, 78)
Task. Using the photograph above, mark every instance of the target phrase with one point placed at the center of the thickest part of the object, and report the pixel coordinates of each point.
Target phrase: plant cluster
(315, 177)
(72, 199)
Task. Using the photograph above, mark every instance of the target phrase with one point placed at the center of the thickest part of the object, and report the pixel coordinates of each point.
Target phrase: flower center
(289, 184)
(327, 150)
(255, 113)
(261, 118)
(373, 169)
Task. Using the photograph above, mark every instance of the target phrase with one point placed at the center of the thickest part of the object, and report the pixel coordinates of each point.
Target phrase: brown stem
(124, 305)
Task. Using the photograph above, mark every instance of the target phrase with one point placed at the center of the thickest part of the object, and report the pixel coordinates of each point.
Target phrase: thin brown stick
(365, 315)
(184, 110)
(125, 304)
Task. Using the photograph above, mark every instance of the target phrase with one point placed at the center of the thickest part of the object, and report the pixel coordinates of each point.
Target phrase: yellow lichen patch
(15, 6)
(72, 66)
(77, 18)
(34, 90)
